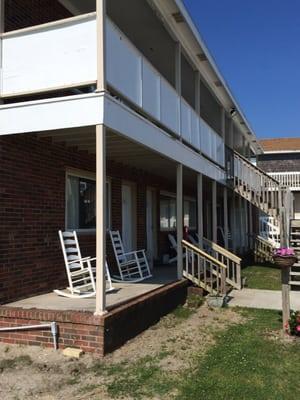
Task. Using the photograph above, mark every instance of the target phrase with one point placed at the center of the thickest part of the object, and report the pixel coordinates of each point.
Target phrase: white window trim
(92, 176)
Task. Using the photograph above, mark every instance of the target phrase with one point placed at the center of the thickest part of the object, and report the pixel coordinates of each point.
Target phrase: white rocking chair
(173, 243)
(133, 266)
(80, 273)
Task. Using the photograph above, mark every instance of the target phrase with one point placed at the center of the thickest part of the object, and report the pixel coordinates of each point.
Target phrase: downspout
(52, 326)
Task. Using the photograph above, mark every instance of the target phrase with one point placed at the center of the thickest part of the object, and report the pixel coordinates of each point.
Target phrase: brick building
(127, 97)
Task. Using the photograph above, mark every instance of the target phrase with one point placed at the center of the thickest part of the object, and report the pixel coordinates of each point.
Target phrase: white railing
(263, 250)
(132, 75)
(63, 54)
(256, 186)
(290, 180)
(233, 262)
(55, 55)
(269, 230)
(204, 270)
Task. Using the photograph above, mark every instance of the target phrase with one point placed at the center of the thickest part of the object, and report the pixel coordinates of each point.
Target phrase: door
(151, 226)
(127, 217)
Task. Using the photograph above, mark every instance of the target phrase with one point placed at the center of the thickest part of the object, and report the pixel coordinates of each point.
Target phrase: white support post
(233, 222)
(214, 212)
(179, 219)
(240, 235)
(100, 220)
(251, 237)
(101, 70)
(246, 225)
(2, 29)
(225, 211)
(178, 68)
(200, 208)
(100, 169)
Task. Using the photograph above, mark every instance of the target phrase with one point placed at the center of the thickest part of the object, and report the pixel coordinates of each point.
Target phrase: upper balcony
(62, 55)
(287, 179)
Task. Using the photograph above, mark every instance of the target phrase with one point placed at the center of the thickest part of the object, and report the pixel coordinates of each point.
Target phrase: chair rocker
(133, 266)
(80, 273)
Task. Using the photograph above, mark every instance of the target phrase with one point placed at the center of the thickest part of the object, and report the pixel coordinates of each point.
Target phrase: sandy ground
(45, 374)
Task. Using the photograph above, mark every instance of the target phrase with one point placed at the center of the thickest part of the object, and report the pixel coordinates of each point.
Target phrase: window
(168, 213)
(81, 201)
(189, 214)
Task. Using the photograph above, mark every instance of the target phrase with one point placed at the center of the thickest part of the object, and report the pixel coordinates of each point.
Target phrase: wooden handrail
(224, 252)
(203, 254)
(254, 167)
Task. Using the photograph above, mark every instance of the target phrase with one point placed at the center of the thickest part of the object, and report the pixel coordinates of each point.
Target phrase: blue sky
(256, 45)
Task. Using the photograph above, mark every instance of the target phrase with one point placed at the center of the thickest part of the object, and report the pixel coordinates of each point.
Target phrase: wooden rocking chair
(80, 273)
(133, 266)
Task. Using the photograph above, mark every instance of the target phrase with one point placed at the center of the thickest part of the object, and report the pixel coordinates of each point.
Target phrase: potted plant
(284, 257)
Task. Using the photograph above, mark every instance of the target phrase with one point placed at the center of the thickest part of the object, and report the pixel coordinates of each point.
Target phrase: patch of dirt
(280, 336)
(45, 374)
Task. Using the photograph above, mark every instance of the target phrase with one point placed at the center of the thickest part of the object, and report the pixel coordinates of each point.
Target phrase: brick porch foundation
(99, 335)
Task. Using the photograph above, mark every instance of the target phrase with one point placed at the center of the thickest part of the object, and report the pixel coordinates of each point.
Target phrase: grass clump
(265, 276)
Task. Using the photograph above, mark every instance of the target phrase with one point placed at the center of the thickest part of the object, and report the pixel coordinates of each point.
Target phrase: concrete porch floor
(266, 299)
(124, 292)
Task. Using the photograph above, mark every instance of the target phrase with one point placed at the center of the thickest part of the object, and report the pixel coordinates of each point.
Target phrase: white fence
(290, 180)
(49, 56)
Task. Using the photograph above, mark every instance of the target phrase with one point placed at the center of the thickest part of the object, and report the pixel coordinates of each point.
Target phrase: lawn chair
(80, 273)
(173, 243)
(133, 266)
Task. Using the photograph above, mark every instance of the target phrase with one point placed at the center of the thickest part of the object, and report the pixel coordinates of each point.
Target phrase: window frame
(78, 173)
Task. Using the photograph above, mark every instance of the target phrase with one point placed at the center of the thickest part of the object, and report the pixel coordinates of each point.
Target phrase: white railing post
(2, 28)
(200, 208)
(179, 219)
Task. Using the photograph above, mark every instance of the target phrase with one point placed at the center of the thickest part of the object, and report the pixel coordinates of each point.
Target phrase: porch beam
(100, 220)
(179, 219)
(214, 212)
(200, 208)
(101, 70)
(225, 213)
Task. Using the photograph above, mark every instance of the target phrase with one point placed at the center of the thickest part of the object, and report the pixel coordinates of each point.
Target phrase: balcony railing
(290, 180)
(131, 75)
(63, 54)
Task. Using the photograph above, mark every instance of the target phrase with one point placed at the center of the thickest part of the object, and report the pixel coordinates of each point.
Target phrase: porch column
(225, 211)
(2, 28)
(179, 220)
(245, 224)
(233, 222)
(100, 220)
(200, 208)
(240, 222)
(214, 212)
(251, 226)
(101, 73)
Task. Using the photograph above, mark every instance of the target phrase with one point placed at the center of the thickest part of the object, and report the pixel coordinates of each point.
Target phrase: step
(294, 273)
(294, 283)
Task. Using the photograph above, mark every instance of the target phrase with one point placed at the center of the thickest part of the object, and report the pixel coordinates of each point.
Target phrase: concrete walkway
(256, 298)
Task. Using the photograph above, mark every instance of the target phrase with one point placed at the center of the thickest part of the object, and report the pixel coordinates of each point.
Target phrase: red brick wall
(32, 198)
(23, 13)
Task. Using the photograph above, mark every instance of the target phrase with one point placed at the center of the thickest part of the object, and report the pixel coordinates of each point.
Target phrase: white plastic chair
(173, 243)
(133, 266)
(80, 273)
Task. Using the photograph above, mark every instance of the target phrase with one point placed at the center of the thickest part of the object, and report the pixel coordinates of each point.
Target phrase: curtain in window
(72, 202)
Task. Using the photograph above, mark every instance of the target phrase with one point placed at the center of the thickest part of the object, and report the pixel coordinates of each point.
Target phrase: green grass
(262, 277)
(246, 365)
